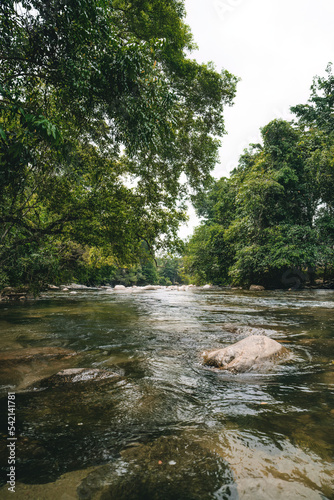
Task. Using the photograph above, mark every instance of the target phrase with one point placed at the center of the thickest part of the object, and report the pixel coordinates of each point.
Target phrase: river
(167, 427)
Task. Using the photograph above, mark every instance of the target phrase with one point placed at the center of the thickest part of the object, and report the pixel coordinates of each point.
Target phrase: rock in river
(34, 353)
(253, 353)
(256, 288)
(75, 375)
(168, 468)
(22, 367)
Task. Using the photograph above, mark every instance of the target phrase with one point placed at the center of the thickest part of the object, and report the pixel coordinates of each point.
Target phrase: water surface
(168, 427)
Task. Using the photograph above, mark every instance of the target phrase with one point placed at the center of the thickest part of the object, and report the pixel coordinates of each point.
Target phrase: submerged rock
(75, 375)
(169, 468)
(253, 353)
(64, 488)
(23, 367)
(34, 353)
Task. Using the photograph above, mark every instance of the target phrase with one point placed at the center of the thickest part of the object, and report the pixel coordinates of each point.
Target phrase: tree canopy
(105, 124)
(275, 214)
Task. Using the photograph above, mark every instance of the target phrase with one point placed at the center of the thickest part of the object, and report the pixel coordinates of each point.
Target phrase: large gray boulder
(253, 353)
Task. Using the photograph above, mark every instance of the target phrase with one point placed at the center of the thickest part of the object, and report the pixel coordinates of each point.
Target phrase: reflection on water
(168, 427)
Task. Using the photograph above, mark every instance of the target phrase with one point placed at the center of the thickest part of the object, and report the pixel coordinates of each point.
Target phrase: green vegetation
(108, 129)
(106, 124)
(274, 217)
(90, 266)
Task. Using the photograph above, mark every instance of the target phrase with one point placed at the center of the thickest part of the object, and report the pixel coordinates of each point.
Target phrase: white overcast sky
(276, 47)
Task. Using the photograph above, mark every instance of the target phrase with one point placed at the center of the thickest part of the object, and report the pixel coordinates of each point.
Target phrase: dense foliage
(272, 221)
(105, 122)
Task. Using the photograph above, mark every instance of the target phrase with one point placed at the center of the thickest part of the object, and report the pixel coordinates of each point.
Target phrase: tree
(169, 268)
(316, 120)
(318, 113)
(208, 253)
(275, 214)
(101, 112)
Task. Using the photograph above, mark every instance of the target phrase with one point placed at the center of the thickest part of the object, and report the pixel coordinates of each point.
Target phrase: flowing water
(168, 427)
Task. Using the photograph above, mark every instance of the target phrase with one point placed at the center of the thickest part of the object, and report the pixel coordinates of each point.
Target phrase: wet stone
(77, 375)
(169, 468)
(34, 353)
(256, 288)
(253, 353)
(20, 368)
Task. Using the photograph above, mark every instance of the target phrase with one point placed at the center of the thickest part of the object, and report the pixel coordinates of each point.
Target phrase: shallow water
(168, 427)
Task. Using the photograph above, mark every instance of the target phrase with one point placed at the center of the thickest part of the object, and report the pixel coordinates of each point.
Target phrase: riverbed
(166, 427)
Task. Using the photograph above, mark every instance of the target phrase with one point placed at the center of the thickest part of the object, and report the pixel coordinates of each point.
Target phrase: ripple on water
(260, 435)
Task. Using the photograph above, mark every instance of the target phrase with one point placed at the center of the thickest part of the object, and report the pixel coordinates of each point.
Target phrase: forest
(107, 126)
(108, 130)
(137, 363)
(271, 223)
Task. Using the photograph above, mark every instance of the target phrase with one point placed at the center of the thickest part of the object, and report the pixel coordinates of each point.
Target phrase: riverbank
(24, 293)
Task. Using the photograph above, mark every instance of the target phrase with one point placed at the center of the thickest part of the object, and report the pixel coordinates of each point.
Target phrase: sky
(276, 47)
